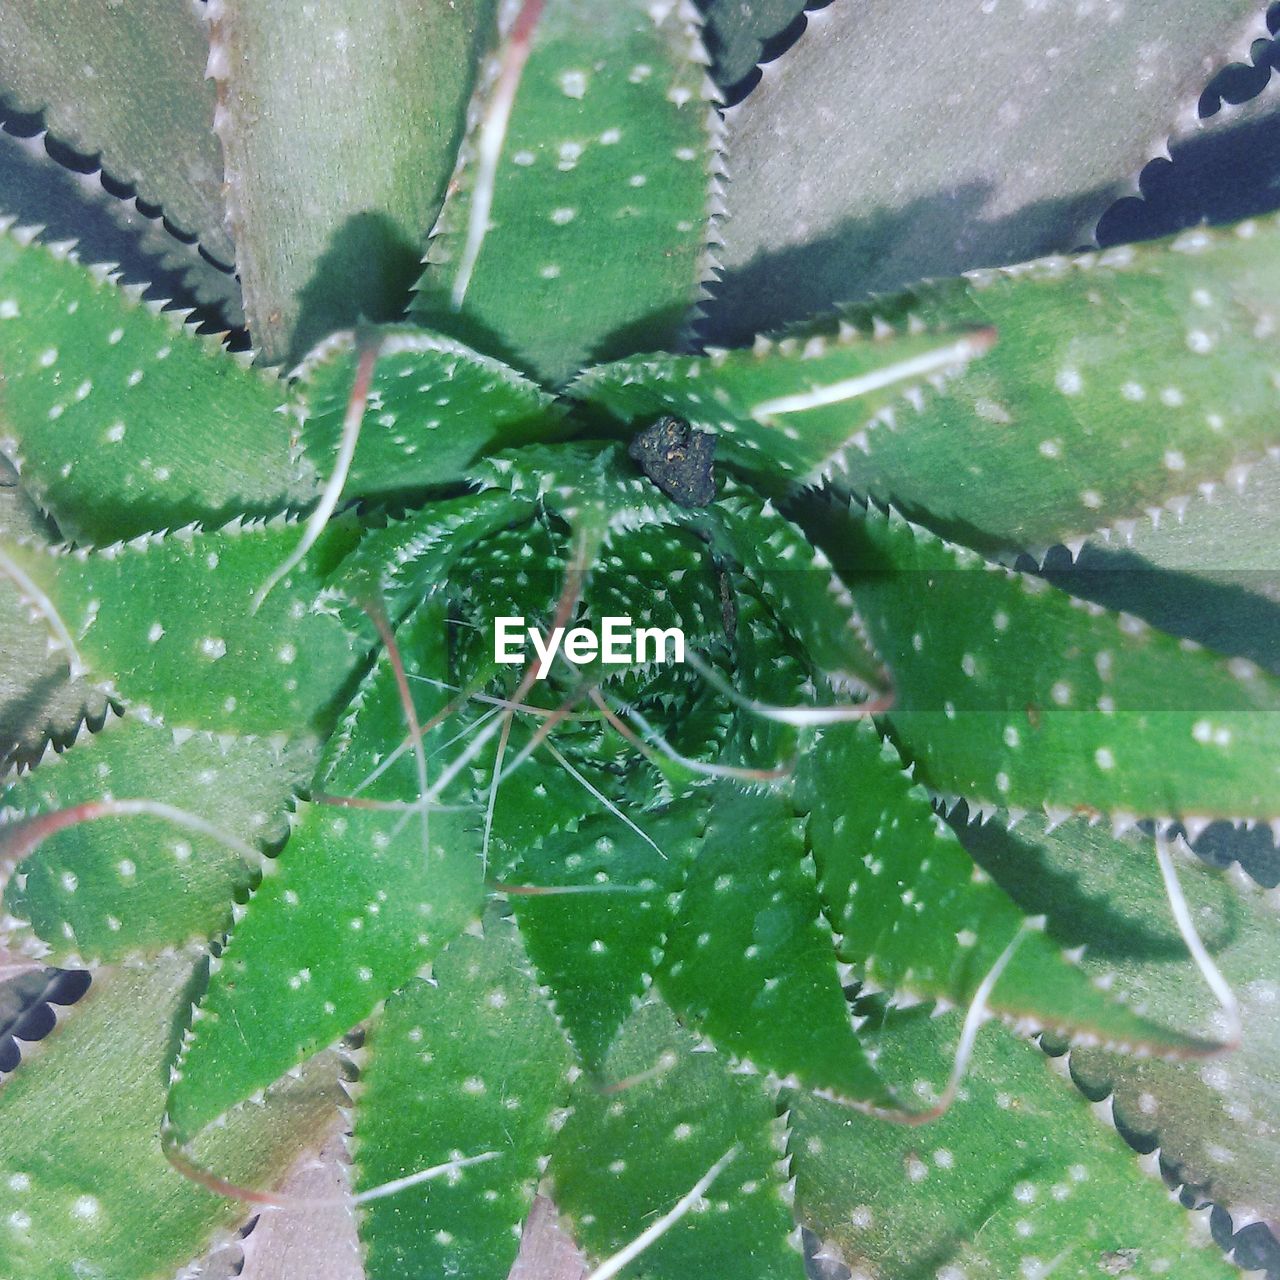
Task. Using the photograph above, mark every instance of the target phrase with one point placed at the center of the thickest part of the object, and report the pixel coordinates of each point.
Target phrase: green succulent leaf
(792, 407)
(1007, 1183)
(913, 915)
(751, 958)
(471, 1064)
(112, 888)
(339, 135)
(597, 949)
(1212, 1119)
(576, 222)
(1011, 692)
(799, 583)
(126, 83)
(87, 1154)
(821, 212)
(197, 654)
(92, 384)
(1120, 381)
(639, 929)
(1223, 532)
(433, 406)
(407, 559)
(361, 900)
(627, 1156)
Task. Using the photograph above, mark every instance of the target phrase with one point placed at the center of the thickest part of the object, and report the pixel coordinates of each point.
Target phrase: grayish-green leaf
(737, 30)
(41, 191)
(871, 155)
(339, 128)
(126, 81)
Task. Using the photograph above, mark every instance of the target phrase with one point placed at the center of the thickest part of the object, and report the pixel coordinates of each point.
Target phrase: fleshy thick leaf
(127, 83)
(751, 958)
(339, 132)
(114, 887)
(196, 654)
(1213, 1121)
(789, 409)
(1120, 382)
(362, 899)
(821, 212)
(597, 950)
(1011, 692)
(912, 914)
(406, 560)
(121, 421)
(800, 585)
(434, 406)
(576, 222)
(1010, 1182)
(474, 1063)
(80, 1143)
(623, 1159)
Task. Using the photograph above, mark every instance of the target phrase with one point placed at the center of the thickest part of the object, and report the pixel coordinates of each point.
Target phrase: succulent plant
(785, 931)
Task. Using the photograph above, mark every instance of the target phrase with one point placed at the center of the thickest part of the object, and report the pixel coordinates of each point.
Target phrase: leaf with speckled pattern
(1214, 1120)
(790, 409)
(799, 584)
(472, 1063)
(1006, 1184)
(751, 959)
(196, 653)
(912, 913)
(94, 384)
(597, 950)
(1119, 381)
(598, 218)
(434, 405)
(87, 1152)
(361, 900)
(116, 887)
(1012, 692)
(406, 560)
(624, 1158)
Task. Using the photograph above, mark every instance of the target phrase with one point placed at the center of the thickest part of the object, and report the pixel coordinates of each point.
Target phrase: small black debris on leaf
(678, 460)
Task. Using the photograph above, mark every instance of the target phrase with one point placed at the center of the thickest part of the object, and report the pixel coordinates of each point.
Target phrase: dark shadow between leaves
(1109, 927)
(367, 273)
(1236, 614)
